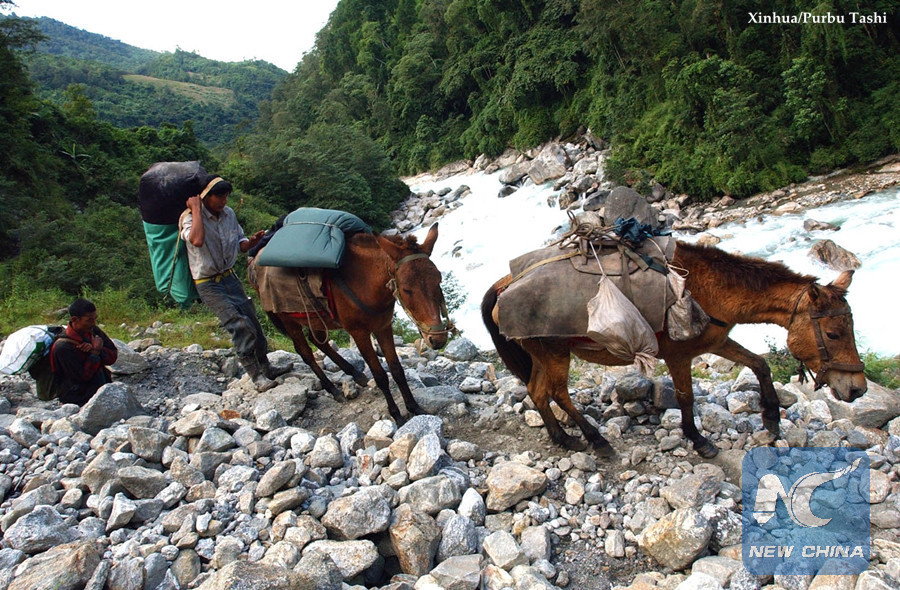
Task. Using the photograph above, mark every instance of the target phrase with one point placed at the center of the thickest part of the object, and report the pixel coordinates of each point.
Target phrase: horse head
(416, 285)
(820, 335)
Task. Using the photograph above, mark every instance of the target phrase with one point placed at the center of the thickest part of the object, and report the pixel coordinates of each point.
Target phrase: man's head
(82, 315)
(215, 195)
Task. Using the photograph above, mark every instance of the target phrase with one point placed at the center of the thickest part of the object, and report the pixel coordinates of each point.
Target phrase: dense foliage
(691, 92)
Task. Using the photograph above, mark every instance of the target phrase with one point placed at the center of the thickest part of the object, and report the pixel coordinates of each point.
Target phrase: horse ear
(843, 280)
(392, 250)
(430, 239)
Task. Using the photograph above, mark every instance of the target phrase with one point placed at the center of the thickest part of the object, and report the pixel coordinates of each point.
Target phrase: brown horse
(376, 271)
(733, 290)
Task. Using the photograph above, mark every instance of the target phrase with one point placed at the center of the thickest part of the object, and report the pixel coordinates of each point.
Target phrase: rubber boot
(273, 372)
(260, 381)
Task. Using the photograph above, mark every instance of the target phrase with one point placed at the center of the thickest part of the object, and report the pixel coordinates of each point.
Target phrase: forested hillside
(691, 92)
(129, 87)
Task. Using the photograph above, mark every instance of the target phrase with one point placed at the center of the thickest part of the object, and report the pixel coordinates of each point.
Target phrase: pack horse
(376, 272)
(732, 290)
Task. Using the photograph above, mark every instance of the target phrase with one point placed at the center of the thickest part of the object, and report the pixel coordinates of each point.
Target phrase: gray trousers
(237, 314)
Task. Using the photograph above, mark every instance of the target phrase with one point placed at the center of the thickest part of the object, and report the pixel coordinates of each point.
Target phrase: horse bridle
(827, 364)
(445, 327)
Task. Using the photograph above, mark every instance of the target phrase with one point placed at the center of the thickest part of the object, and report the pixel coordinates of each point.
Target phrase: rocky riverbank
(576, 170)
(179, 475)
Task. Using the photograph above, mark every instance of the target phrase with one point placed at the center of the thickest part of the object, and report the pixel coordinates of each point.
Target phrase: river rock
(833, 256)
(366, 512)
(38, 531)
(351, 557)
(70, 565)
(128, 361)
(677, 538)
(510, 482)
(112, 402)
(414, 537)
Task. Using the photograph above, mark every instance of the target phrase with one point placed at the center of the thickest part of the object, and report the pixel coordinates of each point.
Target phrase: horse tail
(515, 357)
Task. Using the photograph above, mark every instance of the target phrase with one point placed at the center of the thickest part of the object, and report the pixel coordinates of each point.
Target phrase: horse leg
(542, 386)
(301, 345)
(771, 413)
(684, 394)
(364, 344)
(342, 363)
(600, 444)
(385, 339)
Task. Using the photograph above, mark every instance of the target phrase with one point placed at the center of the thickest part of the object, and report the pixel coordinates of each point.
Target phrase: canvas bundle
(616, 324)
(685, 319)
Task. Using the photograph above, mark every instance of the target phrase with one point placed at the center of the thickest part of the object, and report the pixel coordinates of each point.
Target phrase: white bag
(615, 323)
(23, 347)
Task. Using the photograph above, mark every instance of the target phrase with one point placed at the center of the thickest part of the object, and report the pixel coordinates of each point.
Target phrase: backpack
(162, 193)
(28, 349)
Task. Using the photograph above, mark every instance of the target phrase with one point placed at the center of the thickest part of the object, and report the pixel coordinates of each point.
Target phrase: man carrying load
(213, 244)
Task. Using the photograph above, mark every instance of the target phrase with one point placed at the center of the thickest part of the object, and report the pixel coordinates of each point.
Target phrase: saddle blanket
(303, 291)
(550, 299)
(311, 238)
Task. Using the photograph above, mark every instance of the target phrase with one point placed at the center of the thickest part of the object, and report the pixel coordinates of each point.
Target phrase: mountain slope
(132, 87)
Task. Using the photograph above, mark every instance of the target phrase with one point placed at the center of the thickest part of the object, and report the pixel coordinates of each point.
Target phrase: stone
(142, 482)
(462, 572)
(317, 570)
(326, 453)
(366, 512)
(149, 443)
(425, 458)
(112, 402)
(239, 575)
(677, 538)
(65, 566)
(692, 490)
(128, 361)
(457, 537)
(510, 482)
(414, 537)
(351, 557)
(830, 255)
(431, 494)
(276, 478)
(503, 551)
(38, 531)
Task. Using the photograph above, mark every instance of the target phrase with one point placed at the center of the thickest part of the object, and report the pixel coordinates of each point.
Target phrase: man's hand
(255, 238)
(194, 203)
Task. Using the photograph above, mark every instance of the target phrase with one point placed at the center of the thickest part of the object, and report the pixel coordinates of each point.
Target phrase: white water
(486, 232)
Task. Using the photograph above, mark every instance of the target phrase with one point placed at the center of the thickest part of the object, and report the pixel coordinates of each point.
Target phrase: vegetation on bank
(692, 93)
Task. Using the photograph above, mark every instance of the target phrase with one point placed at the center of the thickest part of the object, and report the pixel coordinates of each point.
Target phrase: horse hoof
(573, 444)
(772, 426)
(416, 410)
(605, 451)
(706, 449)
(361, 380)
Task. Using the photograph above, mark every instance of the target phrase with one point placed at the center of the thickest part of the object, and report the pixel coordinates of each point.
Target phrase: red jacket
(79, 367)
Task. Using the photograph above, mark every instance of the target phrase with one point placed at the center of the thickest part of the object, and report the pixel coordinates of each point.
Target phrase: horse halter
(827, 364)
(445, 327)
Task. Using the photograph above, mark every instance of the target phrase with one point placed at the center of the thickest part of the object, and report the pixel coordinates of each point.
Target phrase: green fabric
(172, 278)
(311, 238)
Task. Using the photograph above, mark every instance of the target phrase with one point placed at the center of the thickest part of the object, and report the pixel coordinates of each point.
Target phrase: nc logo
(797, 500)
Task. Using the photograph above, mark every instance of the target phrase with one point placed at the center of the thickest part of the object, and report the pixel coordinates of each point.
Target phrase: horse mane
(409, 242)
(739, 271)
